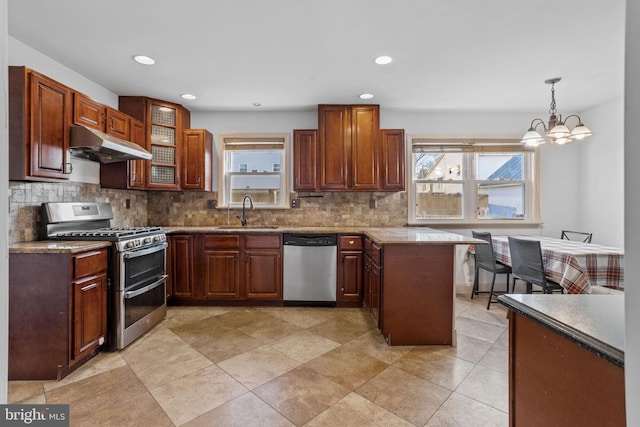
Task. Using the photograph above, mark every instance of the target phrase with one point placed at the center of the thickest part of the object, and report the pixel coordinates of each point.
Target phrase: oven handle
(143, 252)
(133, 294)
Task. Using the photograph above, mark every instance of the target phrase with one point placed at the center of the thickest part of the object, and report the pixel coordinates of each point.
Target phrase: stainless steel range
(137, 265)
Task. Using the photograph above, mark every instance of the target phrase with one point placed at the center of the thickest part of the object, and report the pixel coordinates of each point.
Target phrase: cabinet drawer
(262, 241)
(88, 263)
(353, 243)
(376, 252)
(222, 241)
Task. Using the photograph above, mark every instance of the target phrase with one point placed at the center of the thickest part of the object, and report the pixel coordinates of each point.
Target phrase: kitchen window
(251, 165)
(459, 180)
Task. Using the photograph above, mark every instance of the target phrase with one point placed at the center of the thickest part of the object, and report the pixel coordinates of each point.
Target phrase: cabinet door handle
(351, 242)
(235, 258)
(112, 128)
(246, 258)
(198, 180)
(69, 167)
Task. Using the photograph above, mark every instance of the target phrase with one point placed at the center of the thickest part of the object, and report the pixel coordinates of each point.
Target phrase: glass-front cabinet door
(164, 143)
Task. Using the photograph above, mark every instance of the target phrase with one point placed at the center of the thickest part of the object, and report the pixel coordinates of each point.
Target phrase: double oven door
(140, 292)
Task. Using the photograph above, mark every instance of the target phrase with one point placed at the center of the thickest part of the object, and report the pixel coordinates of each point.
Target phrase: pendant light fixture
(556, 131)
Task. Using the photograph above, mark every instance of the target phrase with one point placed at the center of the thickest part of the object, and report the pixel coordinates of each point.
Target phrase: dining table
(576, 266)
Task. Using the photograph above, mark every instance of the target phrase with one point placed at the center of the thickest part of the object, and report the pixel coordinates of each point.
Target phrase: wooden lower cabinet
(221, 276)
(416, 294)
(57, 312)
(263, 274)
(350, 271)
(226, 267)
(372, 278)
(553, 381)
(182, 265)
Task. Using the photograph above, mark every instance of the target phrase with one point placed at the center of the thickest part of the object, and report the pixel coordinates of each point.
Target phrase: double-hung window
(252, 165)
(458, 180)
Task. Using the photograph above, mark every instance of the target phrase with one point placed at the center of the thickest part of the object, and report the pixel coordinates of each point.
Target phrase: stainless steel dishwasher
(310, 269)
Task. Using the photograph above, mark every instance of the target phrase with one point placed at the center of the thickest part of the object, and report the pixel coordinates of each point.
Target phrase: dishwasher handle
(290, 239)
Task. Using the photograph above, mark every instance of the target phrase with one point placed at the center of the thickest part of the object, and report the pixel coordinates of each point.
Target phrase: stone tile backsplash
(25, 199)
(175, 208)
(167, 208)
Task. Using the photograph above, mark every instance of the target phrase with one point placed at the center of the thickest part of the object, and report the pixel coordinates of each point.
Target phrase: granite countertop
(57, 246)
(384, 235)
(595, 322)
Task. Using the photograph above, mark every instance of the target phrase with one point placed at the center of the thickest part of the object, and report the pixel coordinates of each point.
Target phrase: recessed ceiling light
(188, 96)
(144, 60)
(383, 60)
(256, 104)
(366, 96)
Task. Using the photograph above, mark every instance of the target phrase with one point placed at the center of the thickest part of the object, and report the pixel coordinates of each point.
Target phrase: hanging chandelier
(556, 131)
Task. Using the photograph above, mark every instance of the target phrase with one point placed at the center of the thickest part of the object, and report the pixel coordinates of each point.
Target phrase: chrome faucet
(243, 219)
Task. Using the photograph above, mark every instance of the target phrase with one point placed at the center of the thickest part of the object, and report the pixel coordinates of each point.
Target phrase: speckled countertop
(384, 235)
(56, 246)
(595, 322)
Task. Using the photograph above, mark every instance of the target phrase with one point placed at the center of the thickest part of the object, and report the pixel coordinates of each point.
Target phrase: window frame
(470, 146)
(224, 175)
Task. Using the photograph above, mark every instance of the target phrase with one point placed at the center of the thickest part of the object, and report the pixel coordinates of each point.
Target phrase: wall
(632, 207)
(4, 220)
(601, 172)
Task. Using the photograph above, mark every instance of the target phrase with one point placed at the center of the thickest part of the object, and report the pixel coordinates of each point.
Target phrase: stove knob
(147, 240)
(129, 244)
(157, 238)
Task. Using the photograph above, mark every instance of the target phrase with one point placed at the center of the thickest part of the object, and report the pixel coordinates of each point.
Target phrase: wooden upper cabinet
(196, 159)
(305, 152)
(88, 112)
(127, 174)
(92, 114)
(365, 132)
(334, 139)
(164, 123)
(137, 168)
(349, 148)
(392, 159)
(117, 124)
(40, 114)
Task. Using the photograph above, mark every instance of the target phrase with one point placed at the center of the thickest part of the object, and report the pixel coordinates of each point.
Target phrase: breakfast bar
(566, 360)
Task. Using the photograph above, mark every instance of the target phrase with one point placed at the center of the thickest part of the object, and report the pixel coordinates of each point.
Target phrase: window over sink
(472, 180)
(254, 165)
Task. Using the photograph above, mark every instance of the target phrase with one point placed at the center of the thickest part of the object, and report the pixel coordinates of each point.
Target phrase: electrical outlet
(211, 204)
(295, 203)
(372, 203)
(127, 203)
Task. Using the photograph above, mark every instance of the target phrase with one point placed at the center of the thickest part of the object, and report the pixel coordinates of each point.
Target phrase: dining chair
(527, 265)
(486, 260)
(577, 236)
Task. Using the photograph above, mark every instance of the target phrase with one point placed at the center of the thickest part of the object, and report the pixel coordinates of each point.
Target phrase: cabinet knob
(342, 289)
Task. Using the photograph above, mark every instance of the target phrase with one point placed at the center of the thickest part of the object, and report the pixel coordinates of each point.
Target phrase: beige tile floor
(265, 366)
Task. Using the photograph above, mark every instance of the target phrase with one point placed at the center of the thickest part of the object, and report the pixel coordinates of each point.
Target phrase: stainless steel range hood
(91, 144)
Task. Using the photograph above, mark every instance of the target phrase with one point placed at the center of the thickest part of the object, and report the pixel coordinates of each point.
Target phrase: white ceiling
(449, 55)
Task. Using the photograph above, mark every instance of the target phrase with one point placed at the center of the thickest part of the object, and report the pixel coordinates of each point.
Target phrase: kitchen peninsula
(566, 355)
(407, 275)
